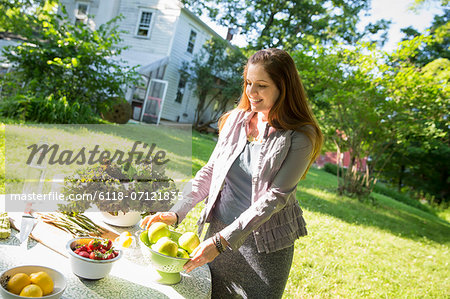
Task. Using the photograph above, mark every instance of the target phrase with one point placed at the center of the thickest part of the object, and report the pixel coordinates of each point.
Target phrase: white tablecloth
(130, 277)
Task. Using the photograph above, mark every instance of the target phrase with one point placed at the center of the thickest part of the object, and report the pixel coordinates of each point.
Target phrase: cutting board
(53, 237)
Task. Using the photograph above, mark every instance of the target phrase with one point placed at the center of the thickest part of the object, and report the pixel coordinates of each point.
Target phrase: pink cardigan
(274, 217)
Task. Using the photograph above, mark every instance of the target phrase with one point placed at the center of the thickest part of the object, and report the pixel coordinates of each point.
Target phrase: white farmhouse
(161, 35)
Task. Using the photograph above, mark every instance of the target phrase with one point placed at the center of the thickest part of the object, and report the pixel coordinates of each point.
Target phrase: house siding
(169, 35)
(72, 5)
(184, 111)
(163, 21)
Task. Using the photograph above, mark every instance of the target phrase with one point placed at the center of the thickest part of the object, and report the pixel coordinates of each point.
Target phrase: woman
(265, 146)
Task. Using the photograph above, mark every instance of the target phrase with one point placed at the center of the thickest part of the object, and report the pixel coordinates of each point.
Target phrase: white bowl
(58, 278)
(85, 267)
(122, 220)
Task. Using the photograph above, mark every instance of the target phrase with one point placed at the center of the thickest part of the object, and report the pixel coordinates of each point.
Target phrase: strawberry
(96, 255)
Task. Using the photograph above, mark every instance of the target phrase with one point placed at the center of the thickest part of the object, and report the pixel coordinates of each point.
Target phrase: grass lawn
(173, 143)
(354, 249)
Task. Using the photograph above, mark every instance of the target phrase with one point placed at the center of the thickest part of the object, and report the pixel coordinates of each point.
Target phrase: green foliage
(216, 76)
(381, 105)
(20, 13)
(63, 60)
(330, 168)
(343, 84)
(47, 110)
(121, 187)
(423, 76)
(421, 3)
(438, 46)
(421, 171)
(422, 140)
(291, 24)
(382, 189)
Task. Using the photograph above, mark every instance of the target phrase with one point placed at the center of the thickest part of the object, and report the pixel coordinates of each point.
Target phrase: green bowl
(168, 268)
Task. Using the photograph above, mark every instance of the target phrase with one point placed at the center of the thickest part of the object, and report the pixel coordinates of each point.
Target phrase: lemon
(18, 282)
(124, 240)
(43, 280)
(125, 234)
(127, 242)
(31, 290)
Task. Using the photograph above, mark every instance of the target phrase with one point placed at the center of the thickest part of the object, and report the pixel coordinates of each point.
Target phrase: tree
(290, 24)
(64, 61)
(351, 108)
(17, 13)
(216, 74)
(420, 3)
(438, 46)
(417, 163)
(377, 105)
(424, 143)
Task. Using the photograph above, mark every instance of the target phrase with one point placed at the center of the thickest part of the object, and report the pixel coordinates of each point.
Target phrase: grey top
(236, 194)
(274, 218)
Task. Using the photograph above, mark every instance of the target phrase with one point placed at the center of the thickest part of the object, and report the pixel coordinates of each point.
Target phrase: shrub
(67, 60)
(330, 168)
(46, 110)
(382, 189)
(404, 198)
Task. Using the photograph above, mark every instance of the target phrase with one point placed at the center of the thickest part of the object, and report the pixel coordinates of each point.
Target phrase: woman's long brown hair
(291, 111)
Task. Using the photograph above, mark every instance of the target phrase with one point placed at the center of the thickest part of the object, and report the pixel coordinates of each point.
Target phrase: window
(81, 12)
(180, 90)
(191, 43)
(143, 26)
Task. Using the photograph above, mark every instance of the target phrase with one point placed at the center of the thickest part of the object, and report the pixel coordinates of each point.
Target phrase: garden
(378, 231)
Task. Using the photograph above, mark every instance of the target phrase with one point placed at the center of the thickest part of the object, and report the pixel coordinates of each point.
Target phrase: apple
(144, 238)
(158, 230)
(166, 246)
(182, 253)
(188, 241)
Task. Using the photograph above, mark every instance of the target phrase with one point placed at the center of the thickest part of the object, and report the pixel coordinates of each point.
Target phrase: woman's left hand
(204, 253)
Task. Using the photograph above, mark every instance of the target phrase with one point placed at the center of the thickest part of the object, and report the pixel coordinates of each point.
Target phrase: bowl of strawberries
(92, 258)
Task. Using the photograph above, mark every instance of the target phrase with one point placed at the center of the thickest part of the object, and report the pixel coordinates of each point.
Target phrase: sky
(394, 10)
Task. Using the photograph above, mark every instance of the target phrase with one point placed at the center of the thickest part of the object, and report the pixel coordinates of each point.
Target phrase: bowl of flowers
(121, 192)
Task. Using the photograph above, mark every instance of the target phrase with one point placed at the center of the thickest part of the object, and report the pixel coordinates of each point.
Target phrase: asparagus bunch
(78, 225)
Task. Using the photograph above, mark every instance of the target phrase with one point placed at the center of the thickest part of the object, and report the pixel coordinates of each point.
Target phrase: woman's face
(261, 90)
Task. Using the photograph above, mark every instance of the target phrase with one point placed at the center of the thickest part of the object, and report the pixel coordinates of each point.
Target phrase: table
(130, 277)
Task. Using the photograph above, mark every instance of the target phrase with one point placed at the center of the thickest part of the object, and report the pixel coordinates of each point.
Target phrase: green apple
(156, 231)
(182, 253)
(189, 241)
(144, 238)
(166, 246)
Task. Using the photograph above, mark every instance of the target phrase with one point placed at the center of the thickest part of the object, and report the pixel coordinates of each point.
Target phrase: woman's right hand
(167, 217)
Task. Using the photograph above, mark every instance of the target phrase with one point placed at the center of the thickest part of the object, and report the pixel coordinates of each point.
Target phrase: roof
(7, 42)
(195, 17)
(147, 61)
(4, 43)
(192, 15)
